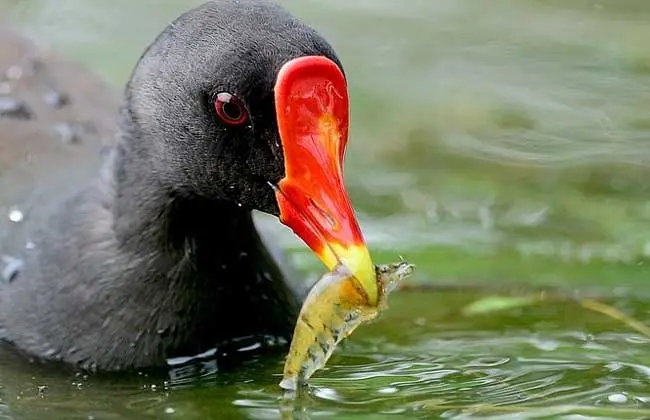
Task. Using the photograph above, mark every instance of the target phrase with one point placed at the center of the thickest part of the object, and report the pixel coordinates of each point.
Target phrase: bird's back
(55, 119)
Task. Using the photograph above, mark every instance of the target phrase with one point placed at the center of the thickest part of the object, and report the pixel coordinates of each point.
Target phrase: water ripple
(483, 377)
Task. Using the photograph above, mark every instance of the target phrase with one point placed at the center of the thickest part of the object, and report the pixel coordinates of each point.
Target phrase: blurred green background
(493, 142)
(500, 141)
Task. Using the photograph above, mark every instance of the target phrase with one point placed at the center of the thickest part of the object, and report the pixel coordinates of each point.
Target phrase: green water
(494, 143)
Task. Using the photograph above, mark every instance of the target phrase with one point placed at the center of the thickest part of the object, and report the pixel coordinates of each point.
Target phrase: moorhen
(148, 250)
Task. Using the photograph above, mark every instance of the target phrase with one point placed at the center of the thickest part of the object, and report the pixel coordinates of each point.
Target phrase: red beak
(312, 107)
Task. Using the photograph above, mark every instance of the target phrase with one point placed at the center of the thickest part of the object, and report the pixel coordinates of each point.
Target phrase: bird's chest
(219, 302)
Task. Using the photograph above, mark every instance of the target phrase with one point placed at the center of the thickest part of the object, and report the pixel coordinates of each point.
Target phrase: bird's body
(137, 241)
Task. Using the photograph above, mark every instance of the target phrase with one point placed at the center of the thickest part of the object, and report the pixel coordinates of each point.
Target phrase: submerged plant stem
(614, 313)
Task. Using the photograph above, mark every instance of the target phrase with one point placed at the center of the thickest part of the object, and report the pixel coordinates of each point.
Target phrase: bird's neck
(171, 223)
(207, 252)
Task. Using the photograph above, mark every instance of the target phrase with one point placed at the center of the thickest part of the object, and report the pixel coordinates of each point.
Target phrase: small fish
(333, 309)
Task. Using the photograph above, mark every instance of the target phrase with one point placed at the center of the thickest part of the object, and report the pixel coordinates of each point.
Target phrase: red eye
(230, 109)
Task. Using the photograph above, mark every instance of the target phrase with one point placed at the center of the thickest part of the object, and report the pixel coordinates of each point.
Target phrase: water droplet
(239, 204)
(16, 215)
(14, 72)
(12, 268)
(617, 398)
(56, 99)
(169, 410)
(67, 133)
(30, 245)
(388, 390)
(13, 108)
